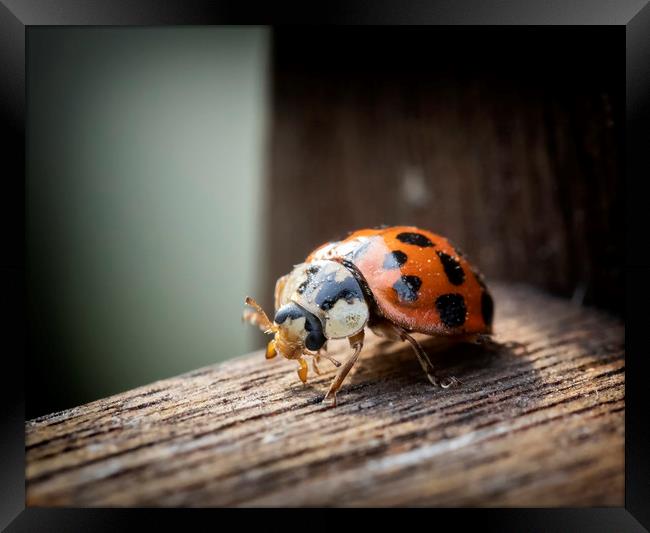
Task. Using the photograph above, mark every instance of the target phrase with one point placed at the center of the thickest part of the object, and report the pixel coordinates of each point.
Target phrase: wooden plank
(535, 425)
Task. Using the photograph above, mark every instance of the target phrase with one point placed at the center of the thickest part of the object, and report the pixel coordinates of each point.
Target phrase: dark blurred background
(506, 140)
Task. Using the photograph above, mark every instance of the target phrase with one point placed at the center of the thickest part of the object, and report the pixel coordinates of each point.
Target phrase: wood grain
(540, 423)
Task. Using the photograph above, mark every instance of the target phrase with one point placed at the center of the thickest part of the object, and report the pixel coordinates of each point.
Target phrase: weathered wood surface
(538, 425)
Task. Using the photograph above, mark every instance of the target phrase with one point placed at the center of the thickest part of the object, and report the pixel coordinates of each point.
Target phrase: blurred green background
(145, 152)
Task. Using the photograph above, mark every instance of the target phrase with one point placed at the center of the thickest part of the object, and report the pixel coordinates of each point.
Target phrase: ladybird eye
(290, 311)
(315, 340)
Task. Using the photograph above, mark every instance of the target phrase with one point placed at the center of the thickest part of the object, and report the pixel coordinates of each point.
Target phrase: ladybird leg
(314, 364)
(279, 286)
(492, 345)
(302, 370)
(330, 359)
(356, 342)
(316, 361)
(423, 358)
(271, 352)
(320, 355)
(427, 365)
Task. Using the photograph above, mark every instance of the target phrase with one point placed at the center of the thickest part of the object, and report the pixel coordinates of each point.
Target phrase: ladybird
(393, 280)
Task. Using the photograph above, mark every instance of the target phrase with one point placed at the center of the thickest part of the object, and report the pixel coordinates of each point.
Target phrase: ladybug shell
(418, 279)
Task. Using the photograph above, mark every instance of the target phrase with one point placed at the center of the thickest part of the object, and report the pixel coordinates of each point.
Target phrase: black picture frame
(16, 16)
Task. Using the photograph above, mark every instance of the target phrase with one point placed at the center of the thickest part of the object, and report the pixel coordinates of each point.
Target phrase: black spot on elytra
(311, 272)
(394, 259)
(452, 310)
(332, 291)
(415, 238)
(455, 272)
(487, 308)
(407, 288)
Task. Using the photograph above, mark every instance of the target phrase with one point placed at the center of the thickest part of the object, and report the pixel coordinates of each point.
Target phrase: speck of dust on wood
(537, 423)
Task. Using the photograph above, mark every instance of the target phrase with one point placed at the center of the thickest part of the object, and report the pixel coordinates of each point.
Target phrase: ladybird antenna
(258, 317)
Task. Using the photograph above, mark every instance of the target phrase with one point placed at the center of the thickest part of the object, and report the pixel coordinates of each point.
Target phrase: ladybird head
(296, 329)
